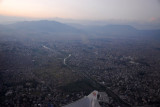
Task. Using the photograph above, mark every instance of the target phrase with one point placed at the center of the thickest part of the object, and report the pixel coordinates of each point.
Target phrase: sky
(122, 10)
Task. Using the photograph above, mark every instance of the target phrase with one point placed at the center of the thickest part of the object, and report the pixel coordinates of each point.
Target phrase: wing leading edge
(87, 101)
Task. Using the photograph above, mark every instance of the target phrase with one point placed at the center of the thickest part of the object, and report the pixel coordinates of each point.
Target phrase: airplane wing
(87, 101)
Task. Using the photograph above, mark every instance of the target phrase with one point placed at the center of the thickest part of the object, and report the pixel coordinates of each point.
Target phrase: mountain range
(45, 27)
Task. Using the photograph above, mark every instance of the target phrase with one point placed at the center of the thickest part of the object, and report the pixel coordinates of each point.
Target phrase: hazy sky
(134, 10)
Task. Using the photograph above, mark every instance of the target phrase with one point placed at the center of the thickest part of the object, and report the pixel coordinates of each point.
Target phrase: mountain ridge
(43, 27)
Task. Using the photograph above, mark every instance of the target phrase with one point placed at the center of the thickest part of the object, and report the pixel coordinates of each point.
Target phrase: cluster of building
(128, 69)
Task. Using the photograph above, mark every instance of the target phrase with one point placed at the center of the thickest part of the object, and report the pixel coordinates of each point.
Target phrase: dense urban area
(48, 72)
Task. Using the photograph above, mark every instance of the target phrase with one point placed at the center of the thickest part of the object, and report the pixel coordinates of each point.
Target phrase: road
(64, 61)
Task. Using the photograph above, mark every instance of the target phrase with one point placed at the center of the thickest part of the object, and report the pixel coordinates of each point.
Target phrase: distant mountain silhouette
(42, 26)
(53, 28)
(119, 30)
(113, 30)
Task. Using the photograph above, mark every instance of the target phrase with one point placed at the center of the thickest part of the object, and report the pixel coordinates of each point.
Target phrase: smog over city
(79, 53)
